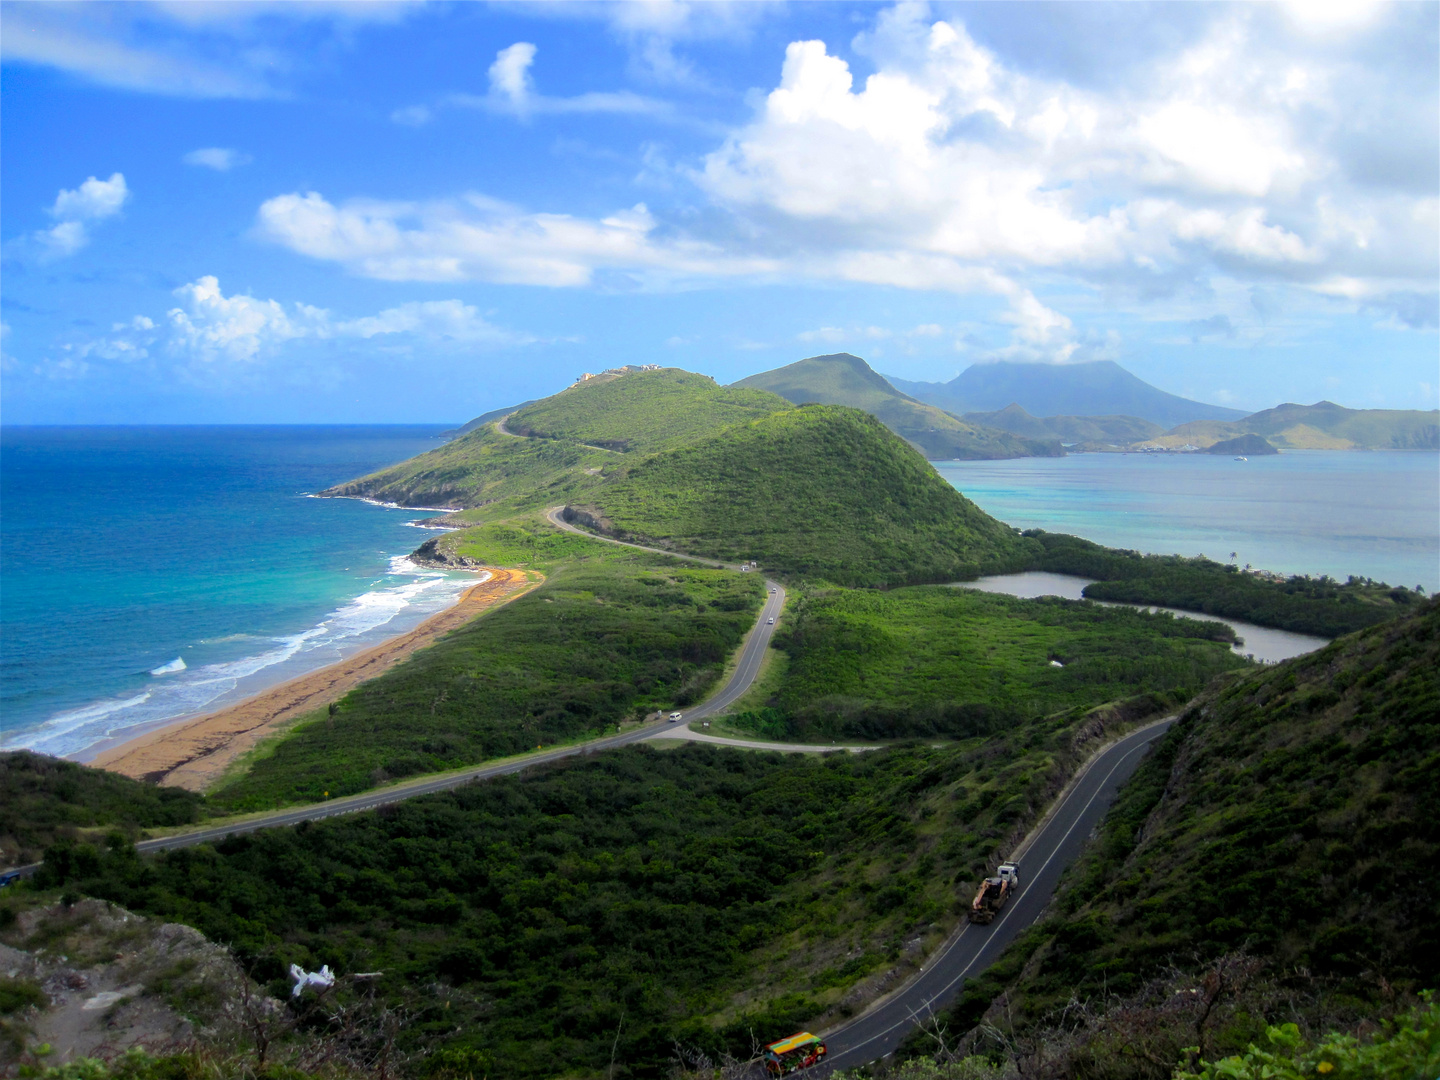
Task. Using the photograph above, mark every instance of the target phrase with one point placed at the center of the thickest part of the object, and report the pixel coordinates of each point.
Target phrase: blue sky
(376, 212)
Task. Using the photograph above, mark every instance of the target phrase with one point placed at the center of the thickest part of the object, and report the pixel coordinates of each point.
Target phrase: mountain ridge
(1097, 388)
(846, 379)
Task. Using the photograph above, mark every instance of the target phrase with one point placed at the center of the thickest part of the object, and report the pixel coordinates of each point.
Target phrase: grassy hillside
(1323, 426)
(642, 412)
(484, 467)
(843, 379)
(929, 661)
(577, 433)
(1288, 817)
(609, 637)
(44, 799)
(536, 925)
(1069, 429)
(1319, 606)
(823, 491)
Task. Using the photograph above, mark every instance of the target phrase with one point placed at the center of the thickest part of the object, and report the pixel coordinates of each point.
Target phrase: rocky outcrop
(102, 980)
(440, 553)
(589, 517)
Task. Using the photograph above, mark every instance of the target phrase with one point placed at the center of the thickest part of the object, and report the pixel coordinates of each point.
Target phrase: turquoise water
(1371, 514)
(151, 573)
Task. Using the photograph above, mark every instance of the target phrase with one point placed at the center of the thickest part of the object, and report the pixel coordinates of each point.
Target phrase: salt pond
(1261, 642)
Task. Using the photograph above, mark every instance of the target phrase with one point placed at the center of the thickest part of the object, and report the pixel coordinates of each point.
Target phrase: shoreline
(194, 752)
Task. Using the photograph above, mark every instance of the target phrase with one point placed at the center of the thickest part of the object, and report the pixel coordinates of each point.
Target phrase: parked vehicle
(799, 1051)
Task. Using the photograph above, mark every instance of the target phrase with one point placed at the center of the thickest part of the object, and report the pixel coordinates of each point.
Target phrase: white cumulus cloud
(94, 200)
(211, 328)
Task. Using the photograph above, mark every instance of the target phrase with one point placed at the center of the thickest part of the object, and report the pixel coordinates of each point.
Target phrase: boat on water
(1239, 458)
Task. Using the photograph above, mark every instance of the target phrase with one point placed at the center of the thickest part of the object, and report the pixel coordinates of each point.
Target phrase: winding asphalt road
(1042, 858)
(752, 655)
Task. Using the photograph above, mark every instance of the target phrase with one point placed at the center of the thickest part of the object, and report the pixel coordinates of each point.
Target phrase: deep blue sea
(1371, 514)
(152, 572)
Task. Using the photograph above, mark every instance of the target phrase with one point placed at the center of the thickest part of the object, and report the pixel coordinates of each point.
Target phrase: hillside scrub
(928, 661)
(643, 411)
(1319, 606)
(1288, 815)
(572, 437)
(483, 467)
(606, 639)
(821, 491)
(44, 799)
(700, 894)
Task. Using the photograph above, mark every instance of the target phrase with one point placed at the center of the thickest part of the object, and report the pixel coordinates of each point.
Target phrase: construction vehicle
(799, 1051)
(994, 892)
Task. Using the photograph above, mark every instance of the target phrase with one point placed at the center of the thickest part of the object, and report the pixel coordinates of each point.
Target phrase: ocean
(1372, 514)
(152, 573)
(155, 572)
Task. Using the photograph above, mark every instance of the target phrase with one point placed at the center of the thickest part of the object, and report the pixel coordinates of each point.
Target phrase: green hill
(843, 379)
(574, 435)
(641, 412)
(1069, 429)
(1324, 426)
(45, 799)
(1288, 818)
(822, 490)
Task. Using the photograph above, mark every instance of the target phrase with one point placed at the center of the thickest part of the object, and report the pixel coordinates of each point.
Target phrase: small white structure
(323, 979)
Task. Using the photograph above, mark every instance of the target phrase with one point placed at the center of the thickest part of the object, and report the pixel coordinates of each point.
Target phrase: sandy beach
(194, 753)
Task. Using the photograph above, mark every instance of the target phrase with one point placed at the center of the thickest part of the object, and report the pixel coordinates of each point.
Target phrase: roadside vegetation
(1319, 606)
(44, 799)
(1280, 847)
(621, 903)
(608, 638)
(933, 661)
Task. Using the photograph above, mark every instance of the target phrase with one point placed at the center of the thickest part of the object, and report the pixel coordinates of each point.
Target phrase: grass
(822, 491)
(842, 379)
(930, 661)
(640, 412)
(643, 412)
(607, 638)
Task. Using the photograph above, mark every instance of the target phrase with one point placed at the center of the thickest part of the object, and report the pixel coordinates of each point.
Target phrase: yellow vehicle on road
(799, 1051)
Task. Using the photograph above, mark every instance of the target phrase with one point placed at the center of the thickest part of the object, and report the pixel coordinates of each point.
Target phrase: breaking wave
(382, 612)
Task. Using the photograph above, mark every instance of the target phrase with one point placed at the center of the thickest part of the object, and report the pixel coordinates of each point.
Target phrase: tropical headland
(493, 834)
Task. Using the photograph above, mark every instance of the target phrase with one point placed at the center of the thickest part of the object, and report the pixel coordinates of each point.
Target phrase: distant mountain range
(1099, 388)
(1322, 426)
(1069, 429)
(843, 379)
